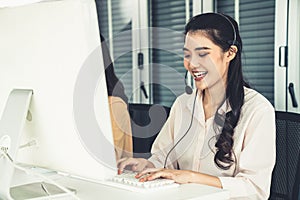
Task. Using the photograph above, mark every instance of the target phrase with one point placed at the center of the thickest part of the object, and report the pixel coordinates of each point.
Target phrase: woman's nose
(194, 62)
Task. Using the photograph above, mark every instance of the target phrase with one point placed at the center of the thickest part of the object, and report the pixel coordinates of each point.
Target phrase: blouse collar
(199, 111)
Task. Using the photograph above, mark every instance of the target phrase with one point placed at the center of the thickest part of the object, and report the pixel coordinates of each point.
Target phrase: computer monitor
(53, 48)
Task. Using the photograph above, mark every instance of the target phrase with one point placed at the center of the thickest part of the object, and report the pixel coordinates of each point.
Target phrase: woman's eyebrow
(196, 49)
(201, 48)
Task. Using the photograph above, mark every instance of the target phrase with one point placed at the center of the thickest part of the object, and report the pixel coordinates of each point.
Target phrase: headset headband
(234, 42)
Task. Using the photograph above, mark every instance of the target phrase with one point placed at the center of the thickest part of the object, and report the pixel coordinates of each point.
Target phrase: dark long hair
(114, 85)
(223, 31)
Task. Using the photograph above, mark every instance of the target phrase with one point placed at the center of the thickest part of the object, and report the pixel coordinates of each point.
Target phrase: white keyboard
(128, 181)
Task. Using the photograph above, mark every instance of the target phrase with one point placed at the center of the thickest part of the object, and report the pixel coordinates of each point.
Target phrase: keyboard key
(127, 181)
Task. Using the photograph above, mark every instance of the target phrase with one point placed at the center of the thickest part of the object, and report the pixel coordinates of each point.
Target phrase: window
(256, 22)
(115, 22)
(167, 41)
(165, 63)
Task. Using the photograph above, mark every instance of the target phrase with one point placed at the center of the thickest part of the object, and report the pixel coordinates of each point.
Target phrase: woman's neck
(212, 100)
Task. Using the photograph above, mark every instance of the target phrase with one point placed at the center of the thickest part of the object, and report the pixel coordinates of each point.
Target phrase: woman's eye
(187, 56)
(202, 54)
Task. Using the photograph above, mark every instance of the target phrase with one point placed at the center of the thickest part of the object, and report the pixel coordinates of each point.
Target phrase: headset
(188, 89)
(234, 42)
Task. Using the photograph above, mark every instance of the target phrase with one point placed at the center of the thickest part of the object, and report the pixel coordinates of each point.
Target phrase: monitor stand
(11, 125)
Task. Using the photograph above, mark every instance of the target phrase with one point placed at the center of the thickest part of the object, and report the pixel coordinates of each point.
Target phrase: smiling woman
(229, 141)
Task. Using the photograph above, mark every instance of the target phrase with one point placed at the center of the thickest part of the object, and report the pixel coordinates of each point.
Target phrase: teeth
(199, 73)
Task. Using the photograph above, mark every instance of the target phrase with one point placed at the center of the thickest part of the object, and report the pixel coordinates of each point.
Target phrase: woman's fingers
(137, 164)
(159, 174)
(147, 171)
(121, 160)
(179, 176)
(122, 163)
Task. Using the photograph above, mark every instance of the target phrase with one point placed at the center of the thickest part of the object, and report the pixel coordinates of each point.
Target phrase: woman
(230, 140)
(119, 114)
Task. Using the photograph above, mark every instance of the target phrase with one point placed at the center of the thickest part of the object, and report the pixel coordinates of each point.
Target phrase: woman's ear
(231, 53)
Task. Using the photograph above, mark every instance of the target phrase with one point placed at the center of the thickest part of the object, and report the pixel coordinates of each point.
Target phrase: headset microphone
(188, 88)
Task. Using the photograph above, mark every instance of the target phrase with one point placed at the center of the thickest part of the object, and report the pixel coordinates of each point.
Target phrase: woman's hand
(134, 164)
(179, 176)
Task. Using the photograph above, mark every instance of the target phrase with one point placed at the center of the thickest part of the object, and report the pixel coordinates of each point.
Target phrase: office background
(152, 57)
(269, 30)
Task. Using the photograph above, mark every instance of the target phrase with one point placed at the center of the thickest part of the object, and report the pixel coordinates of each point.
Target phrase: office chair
(286, 173)
(296, 188)
(146, 122)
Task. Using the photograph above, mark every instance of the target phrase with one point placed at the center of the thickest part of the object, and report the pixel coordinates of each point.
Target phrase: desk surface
(87, 190)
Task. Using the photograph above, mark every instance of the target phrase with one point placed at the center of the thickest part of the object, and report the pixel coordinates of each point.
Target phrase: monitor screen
(53, 48)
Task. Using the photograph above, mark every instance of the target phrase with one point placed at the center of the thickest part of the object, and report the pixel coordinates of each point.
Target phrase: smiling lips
(199, 75)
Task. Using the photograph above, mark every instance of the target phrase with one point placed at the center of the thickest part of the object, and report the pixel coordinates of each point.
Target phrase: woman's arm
(180, 176)
(254, 167)
(165, 140)
(257, 158)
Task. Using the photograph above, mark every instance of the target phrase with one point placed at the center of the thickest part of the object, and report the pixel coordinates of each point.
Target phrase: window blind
(122, 39)
(226, 7)
(166, 53)
(257, 31)
(257, 19)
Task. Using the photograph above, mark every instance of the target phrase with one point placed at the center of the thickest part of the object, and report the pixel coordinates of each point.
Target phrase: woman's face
(206, 62)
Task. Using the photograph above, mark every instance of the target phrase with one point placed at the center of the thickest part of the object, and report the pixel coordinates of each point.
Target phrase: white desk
(87, 190)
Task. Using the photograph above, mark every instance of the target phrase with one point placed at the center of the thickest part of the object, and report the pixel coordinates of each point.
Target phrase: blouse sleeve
(164, 141)
(257, 158)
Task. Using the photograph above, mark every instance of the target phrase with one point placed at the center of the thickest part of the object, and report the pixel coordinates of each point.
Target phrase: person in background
(120, 119)
(223, 134)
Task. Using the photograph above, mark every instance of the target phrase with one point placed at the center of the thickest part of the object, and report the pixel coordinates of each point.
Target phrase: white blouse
(254, 144)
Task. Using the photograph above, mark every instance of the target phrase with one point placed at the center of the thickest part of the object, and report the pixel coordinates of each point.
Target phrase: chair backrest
(285, 177)
(146, 122)
(296, 188)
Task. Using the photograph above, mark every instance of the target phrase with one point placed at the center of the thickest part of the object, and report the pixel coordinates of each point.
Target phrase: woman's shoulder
(254, 99)
(184, 96)
(184, 99)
